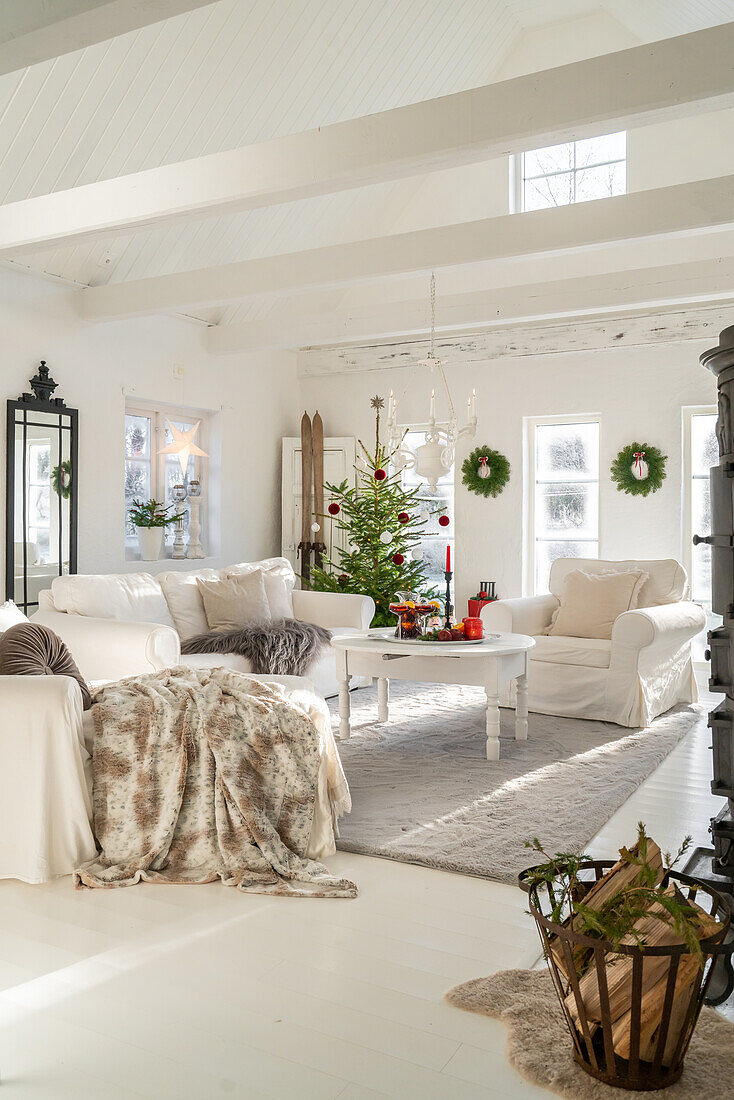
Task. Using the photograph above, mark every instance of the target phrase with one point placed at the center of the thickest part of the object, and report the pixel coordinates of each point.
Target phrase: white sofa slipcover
(118, 625)
(643, 671)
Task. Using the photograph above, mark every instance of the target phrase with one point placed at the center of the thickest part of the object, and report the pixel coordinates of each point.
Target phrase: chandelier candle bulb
(433, 405)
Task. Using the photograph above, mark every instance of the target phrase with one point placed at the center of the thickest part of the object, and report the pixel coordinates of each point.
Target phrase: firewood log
(617, 878)
(652, 1012)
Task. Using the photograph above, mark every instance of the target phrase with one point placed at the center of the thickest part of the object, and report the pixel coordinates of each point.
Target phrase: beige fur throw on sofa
(202, 774)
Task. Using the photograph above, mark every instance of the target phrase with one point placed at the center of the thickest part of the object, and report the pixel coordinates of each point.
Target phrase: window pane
(601, 183)
(137, 487)
(566, 508)
(435, 538)
(599, 149)
(704, 446)
(567, 450)
(137, 437)
(554, 158)
(548, 191)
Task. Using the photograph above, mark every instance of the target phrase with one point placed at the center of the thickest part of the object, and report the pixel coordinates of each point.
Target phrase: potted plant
(150, 519)
(630, 947)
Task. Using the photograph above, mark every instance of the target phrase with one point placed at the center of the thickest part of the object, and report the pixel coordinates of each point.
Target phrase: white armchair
(644, 669)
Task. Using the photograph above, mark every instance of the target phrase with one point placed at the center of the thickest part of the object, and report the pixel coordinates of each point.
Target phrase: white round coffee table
(490, 664)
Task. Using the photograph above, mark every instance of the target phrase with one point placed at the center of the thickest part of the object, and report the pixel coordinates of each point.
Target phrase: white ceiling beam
(299, 324)
(645, 84)
(630, 329)
(700, 205)
(39, 30)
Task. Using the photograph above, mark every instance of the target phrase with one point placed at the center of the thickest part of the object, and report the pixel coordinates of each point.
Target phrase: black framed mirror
(41, 491)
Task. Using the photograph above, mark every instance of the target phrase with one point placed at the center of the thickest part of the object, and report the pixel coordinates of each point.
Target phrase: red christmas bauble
(398, 559)
(403, 517)
(380, 475)
(444, 521)
(334, 509)
(342, 578)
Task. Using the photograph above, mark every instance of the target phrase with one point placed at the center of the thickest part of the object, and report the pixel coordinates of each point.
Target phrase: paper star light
(183, 444)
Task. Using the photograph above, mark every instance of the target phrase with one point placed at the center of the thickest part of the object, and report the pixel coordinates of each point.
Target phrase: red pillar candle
(448, 559)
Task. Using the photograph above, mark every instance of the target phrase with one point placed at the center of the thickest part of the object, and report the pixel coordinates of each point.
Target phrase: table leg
(383, 698)
(345, 729)
(493, 725)
(521, 707)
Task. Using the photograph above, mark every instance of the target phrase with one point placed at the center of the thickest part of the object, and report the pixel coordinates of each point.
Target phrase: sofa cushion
(591, 602)
(10, 615)
(128, 597)
(231, 602)
(184, 599)
(591, 652)
(667, 579)
(30, 649)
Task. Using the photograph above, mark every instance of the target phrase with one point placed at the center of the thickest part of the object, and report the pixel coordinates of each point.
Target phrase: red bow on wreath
(639, 455)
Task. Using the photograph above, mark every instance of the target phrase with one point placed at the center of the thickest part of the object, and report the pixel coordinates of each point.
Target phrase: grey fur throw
(284, 647)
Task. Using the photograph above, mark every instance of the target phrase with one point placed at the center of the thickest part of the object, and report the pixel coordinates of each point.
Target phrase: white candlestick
(433, 405)
(474, 404)
(390, 405)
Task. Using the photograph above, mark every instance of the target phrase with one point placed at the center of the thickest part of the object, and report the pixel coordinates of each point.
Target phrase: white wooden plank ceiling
(243, 71)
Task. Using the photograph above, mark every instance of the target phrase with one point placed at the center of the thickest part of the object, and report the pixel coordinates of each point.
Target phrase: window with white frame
(575, 171)
(149, 474)
(562, 506)
(435, 537)
(700, 453)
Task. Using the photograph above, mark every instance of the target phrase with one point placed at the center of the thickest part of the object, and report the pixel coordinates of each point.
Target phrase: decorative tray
(389, 636)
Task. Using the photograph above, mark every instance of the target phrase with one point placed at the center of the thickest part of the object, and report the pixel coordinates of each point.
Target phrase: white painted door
(339, 459)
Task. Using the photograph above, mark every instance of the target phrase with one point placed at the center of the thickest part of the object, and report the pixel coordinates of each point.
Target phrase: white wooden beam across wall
(700, 205)
(39, 30)
(305, 322)
(630, 329)
(645, 84)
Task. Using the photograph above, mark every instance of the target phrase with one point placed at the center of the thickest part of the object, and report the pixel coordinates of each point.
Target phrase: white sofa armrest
(660, 629)
(333, 609)
(45, 788)
(530, 615)
(109, 649)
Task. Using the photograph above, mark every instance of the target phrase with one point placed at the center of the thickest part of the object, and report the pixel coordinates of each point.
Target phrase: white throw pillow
(591, 602)
(278, 592)
(127, 597)
(184, 599)
(10, 615)
(232, 602)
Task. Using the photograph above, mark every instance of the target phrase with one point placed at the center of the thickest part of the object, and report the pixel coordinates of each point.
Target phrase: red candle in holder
(448, 559)
(473, 628)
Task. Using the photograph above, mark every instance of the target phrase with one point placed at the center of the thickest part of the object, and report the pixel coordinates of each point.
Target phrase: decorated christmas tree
(383, 526)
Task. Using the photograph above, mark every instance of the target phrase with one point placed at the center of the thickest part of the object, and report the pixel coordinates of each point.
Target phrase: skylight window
(576, 171)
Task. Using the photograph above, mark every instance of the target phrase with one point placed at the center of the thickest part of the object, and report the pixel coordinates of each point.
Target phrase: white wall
(96, 366)
(638, 392)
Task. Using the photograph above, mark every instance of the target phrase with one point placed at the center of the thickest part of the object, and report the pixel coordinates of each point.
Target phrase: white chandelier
(436, 454)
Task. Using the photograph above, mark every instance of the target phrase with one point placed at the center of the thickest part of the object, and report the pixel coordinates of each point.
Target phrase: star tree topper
(183, 444)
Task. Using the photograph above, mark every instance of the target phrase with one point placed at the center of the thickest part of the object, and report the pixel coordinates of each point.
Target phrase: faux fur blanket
(284, 647)
(202, 774)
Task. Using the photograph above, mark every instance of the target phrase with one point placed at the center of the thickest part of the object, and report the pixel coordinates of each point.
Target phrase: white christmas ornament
(483, 469)
(386, 538)
(425, 515)
(315, 527)
(416, 554)
(639, 467)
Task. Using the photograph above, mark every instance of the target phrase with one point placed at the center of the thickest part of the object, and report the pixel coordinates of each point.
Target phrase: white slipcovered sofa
(644, 670)
(118, 625)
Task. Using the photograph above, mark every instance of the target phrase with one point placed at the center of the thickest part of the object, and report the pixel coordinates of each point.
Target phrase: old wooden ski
(304, 546)
(317, 538)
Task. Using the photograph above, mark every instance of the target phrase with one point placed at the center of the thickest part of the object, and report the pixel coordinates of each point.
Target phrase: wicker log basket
(643, 1046)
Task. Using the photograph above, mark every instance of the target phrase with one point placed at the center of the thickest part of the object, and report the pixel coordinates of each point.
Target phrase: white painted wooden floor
(172, 991)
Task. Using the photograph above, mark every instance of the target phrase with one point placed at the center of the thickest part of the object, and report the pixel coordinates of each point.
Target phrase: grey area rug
(424, 792)
(540, 1047)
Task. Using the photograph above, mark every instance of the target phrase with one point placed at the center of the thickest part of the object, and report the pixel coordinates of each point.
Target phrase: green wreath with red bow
(485, 471)
(61, 479)
(639, 469)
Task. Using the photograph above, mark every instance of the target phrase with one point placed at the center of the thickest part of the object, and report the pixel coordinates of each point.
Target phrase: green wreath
(499, 472)
(637, 454)
(61, 479)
